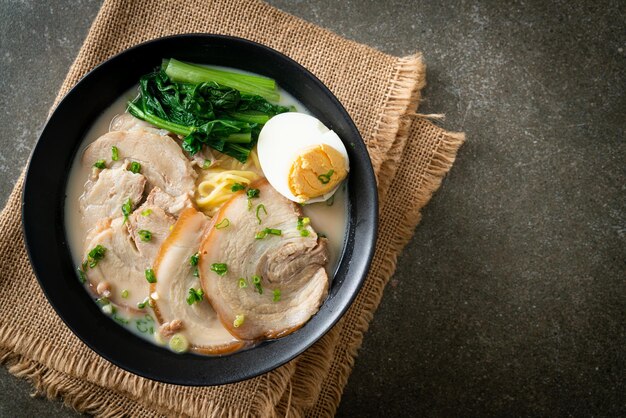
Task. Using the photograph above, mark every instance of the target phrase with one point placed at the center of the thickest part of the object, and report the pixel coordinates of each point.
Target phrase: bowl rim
(366, 245)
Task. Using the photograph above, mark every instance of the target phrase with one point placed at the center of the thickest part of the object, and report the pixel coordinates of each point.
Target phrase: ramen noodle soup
(206, 209)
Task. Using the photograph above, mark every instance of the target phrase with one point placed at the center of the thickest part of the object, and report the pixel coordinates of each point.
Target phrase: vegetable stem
(249, 84)
(158, 122)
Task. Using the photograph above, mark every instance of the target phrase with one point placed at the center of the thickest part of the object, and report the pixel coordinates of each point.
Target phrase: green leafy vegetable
(206, 111)
(101, 164)
(193, 260)
(248, 84)
(253, 193)
(194, 296)
(144, 235)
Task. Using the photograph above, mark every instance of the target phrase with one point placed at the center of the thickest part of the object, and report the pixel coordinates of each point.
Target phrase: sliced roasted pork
(163, 163)
(106, 193)
(149, 226)
(262, 269)
(127, 122)
(179, 303)
(119, 273)
(172, 205)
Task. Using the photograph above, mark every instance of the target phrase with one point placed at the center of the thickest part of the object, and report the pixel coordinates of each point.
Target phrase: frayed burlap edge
(440, 164)
(392, 131)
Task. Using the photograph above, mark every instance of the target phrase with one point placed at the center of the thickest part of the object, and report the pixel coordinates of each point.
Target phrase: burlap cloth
(410, 156)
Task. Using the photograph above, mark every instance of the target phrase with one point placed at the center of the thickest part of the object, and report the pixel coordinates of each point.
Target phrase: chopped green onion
(119, 319)
(239, 319)
(193, 260)
(242, 283)
(276, 293)
(107, 309)
(267, 231)
(145, 235)
(256, 281)
(303, 222)
(143, 304)
(127, 208)
(253, 193)
(179, 343)
(194, 296)
(146, 212)
(236, 187)
(125, 294)
(115, 153)
(206, 164)
(101, 164)
(261, 206)
(224, 223)
(145, 325)
(196, 272)
(82, 277)
(150, 277)
(219, 268)
(305, 233)
(325, 178)
(135, 167)
(95, 255)
(330, 200)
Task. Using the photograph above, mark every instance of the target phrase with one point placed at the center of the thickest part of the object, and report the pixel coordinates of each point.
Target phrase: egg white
(283, 138)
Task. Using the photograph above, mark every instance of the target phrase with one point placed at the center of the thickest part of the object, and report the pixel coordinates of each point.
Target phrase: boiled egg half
(301, 158)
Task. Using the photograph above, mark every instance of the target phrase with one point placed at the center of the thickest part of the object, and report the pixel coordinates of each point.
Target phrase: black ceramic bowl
(44, 196)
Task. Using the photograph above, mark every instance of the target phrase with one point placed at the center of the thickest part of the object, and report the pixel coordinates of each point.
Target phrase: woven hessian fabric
(410, 156)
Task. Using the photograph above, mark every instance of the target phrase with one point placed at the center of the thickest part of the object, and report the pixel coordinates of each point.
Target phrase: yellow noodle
(214, 184)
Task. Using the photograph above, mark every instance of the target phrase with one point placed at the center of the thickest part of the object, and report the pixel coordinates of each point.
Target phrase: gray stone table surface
(511, 297)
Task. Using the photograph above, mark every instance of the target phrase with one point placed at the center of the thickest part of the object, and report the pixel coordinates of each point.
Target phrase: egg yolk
(316, 171)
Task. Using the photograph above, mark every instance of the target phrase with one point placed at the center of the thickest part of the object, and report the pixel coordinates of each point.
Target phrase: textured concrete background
(511, 298)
